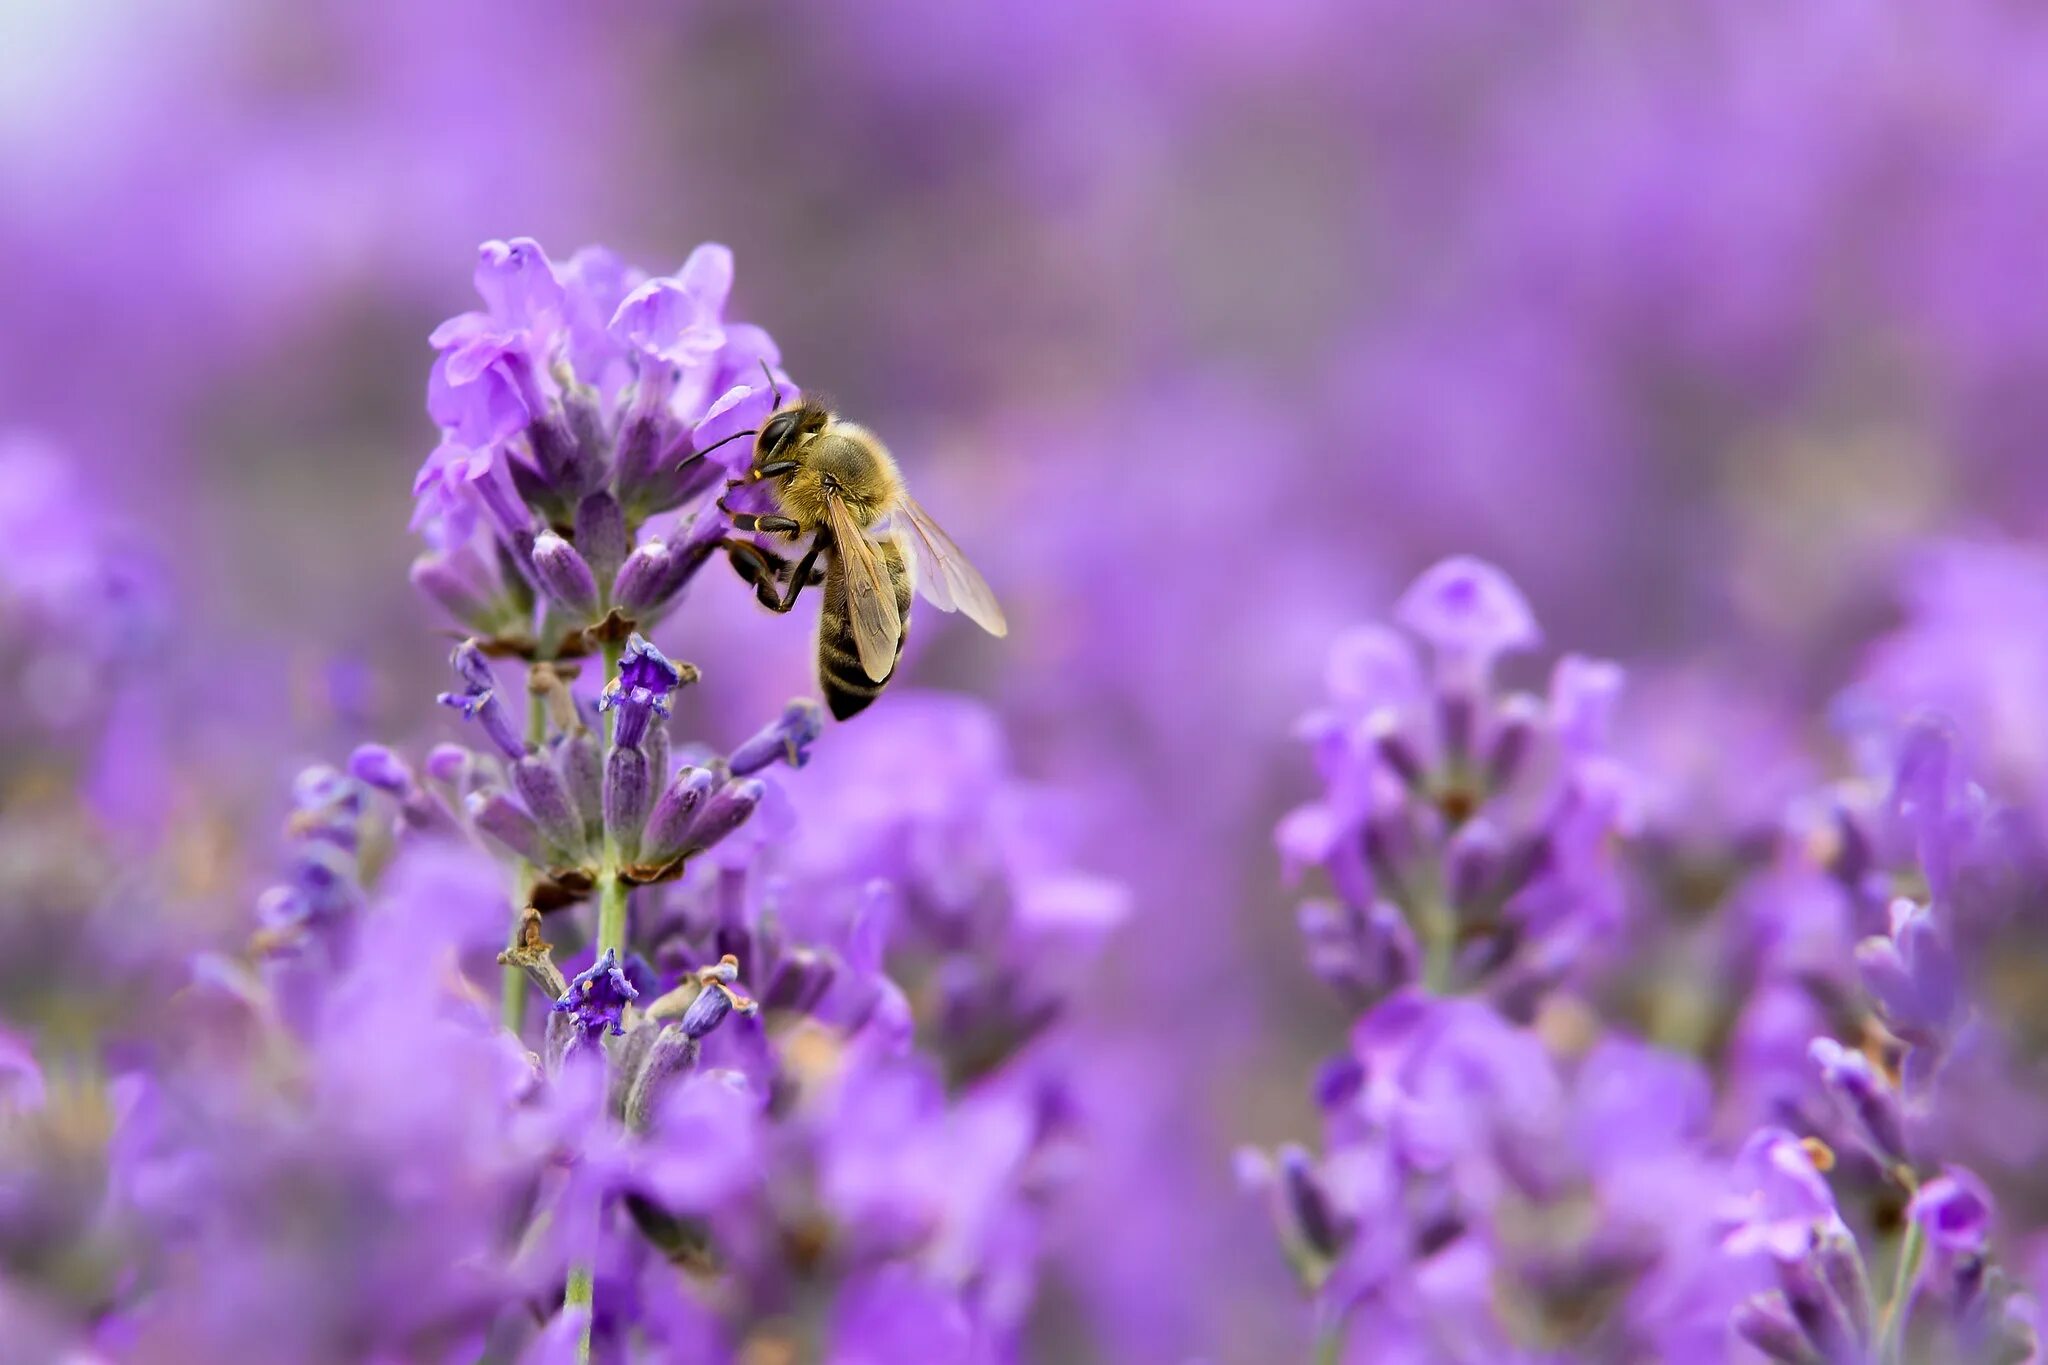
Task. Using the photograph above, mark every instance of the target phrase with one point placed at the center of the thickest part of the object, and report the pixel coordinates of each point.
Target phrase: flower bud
(646, 433)
(565, 576)
(582, 766)
(672, 1053)
(459, 589)
(1912, 975)
(1765, 1322)
(1516, 724)
(675, 811)
(379, 766)
(788, 737)
(1367, 953)
(1474, 862)
(601, 534)
(1397, 748)
(725, 812)
(801, 980)
(505, 820)
(1866, 1096)
(643, 581)
(568, 466)
(547, 799)
(450, 764)
(626, 799)
(1308, 1207)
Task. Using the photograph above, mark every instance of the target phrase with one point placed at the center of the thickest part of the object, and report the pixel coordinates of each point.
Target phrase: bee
(835, 483)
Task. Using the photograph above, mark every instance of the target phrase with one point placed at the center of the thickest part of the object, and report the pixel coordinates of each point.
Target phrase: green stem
(611, 934)
(611, 915)
(579, 1296)
(1910, 1252)
(512, 984)
(512, 988)
(1439, 948)
(1330, 1344)
(611, 892)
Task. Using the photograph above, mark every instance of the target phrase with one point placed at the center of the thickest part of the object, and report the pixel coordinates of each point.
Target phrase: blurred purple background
(1203, 326)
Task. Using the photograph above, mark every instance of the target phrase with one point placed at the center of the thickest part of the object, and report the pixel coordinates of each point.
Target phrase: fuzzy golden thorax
(841, 459)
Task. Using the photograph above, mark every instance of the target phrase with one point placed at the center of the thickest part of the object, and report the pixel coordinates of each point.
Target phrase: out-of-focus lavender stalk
(1567, 1170)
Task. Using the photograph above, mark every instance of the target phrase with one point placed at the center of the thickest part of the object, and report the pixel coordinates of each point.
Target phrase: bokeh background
(1203, 325)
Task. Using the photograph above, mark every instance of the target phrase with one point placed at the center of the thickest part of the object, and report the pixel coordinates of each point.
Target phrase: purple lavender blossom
(641, 690)
(1483, 821)
(1470, 614)
(1912, 975)
(596, 998)
(572, 408)
(478, 699)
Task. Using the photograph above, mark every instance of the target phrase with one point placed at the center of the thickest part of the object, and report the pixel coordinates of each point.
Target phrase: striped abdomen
(848, 688)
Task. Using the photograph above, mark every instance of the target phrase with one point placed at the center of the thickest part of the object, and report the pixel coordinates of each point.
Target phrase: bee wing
(945, 577)
(870, 597)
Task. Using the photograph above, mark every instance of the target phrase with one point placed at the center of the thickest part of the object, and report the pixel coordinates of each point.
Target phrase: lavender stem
(578, 1295)
(512, 985)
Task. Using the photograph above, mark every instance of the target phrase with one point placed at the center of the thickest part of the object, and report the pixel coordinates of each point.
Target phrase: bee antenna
(716, 444)
(774, 389)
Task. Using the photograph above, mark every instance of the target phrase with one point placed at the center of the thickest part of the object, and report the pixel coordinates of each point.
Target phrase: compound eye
(780, 430)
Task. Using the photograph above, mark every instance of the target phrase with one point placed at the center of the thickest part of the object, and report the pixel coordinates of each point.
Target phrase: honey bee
(835, 483)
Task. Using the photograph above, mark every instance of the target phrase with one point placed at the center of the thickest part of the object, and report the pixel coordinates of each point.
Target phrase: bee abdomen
(847, 687)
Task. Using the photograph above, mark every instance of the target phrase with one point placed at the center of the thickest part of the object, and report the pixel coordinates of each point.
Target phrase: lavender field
(1466, 779)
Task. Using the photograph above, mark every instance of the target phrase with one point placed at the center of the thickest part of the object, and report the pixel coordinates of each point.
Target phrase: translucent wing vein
(945, 577)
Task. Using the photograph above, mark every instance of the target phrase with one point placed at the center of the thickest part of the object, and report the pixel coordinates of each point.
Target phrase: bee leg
(798, 580)
(774, 469)
(758, 569)
(747, 521)
(762, 570)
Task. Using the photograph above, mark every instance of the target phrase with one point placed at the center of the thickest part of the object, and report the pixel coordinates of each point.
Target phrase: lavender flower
(1470, 614)
(478, 699)
(572, 406)
(724, 1131)
(595, 999)
(788, 737)
(1912, 976)
(641, 690)
(1481, 822)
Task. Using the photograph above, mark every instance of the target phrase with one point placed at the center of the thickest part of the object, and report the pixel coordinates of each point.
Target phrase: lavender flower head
(1465, 834)
(580, 401)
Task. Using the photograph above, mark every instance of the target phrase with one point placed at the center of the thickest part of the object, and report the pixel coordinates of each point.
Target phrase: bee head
(782, 433)
(779, 432)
